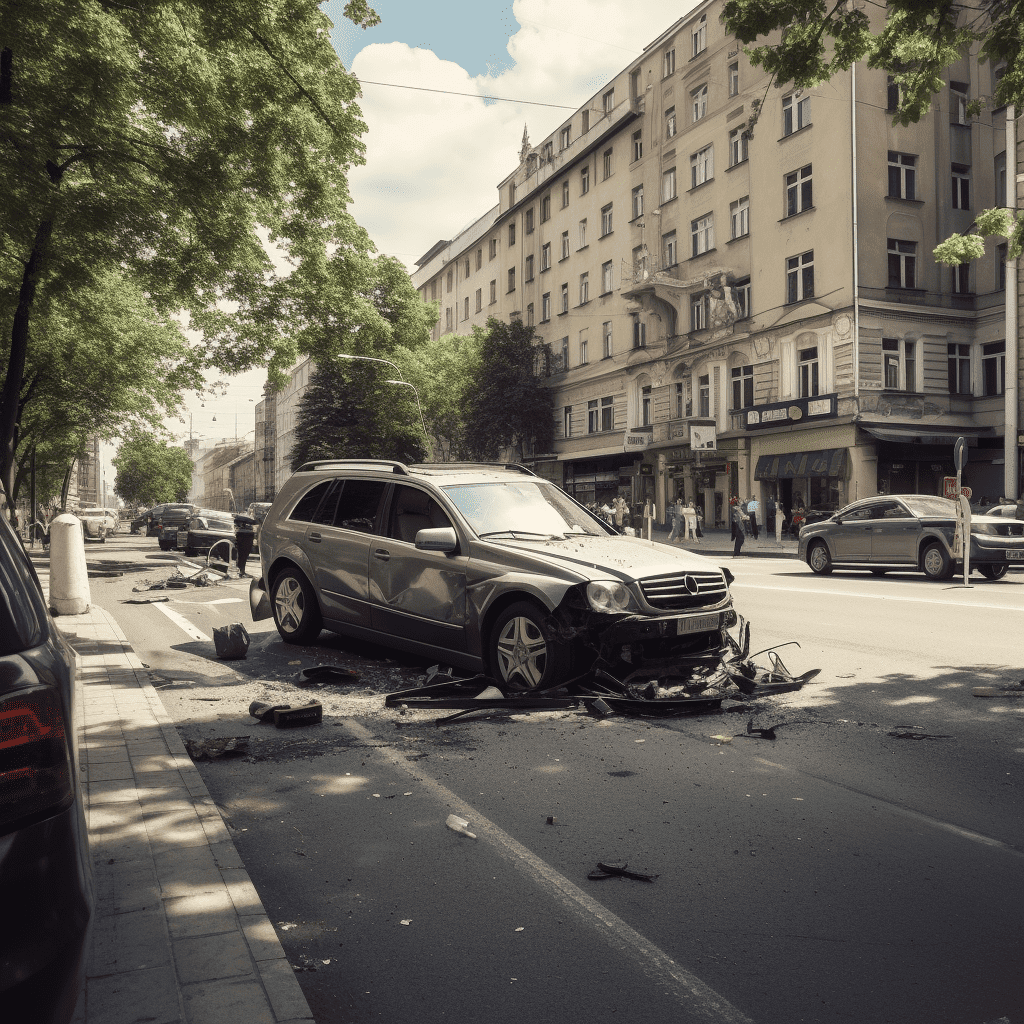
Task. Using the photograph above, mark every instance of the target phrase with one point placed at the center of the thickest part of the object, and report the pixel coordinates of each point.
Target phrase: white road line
(180, 620)
(701, 1002)
(831, 592)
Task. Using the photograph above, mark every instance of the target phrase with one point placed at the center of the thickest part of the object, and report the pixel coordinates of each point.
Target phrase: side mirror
(442, 538)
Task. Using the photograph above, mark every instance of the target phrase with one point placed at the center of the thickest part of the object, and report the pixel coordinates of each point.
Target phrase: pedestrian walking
(690, 522)
(753, 507)
(700, 520)
(769, 513)
(737, 528)
(621, 511)
(675, 514)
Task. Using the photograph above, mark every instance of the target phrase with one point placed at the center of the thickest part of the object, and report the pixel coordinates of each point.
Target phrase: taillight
(35, 758)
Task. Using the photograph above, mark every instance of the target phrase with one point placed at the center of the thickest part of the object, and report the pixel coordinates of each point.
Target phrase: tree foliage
(915, 45)
(151, 471)
(178, 143)
(509, 407)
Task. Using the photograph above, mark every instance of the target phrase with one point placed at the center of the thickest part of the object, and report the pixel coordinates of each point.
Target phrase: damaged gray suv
(486, 568)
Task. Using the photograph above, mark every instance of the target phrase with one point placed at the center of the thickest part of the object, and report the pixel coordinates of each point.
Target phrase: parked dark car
(910, 531)
(140, 522)
(203, 529)
(488, 568)
(171, 519)
(46, 884)
(151, 518)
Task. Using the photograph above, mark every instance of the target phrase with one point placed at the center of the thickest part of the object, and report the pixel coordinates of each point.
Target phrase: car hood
(601, 557)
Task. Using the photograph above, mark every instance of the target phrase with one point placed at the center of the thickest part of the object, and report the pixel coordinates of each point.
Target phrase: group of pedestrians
(686, 522)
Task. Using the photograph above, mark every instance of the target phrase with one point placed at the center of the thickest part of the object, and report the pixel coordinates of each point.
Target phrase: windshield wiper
(514, 534)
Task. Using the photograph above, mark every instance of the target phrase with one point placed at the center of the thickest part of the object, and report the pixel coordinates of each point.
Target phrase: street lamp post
(405, 383)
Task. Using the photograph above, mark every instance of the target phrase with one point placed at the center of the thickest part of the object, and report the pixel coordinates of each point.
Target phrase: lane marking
(700, 1001)
(950, 603)
(180, 620)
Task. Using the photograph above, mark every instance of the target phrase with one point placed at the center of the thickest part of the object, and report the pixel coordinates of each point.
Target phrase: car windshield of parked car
(929, 505)
(522, 507)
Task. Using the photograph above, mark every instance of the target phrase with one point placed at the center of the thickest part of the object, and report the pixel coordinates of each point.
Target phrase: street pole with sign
(962, 537)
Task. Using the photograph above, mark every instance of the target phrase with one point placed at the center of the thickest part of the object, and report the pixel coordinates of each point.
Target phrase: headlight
(608, 596)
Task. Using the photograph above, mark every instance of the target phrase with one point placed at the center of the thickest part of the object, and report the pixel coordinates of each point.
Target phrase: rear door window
(359, 505)
(306, 508)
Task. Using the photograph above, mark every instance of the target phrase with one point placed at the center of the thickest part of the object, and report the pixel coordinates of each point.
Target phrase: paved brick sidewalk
(180, 935)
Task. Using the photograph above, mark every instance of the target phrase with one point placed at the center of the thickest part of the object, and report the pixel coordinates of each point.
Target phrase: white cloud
(434, 161)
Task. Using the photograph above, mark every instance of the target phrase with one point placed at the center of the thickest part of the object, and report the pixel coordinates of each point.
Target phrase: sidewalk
(719, 544)
(179, 934)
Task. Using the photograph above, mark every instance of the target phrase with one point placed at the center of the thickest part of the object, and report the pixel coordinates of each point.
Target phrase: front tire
(523, 646)
(296, 609)
(819, 559)
(936, 564)
(994, 571)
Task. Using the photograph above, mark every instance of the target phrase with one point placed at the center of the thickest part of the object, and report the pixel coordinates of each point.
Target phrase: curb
(178, 927)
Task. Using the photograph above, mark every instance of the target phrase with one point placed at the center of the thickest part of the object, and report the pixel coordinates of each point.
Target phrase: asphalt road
(865, 865)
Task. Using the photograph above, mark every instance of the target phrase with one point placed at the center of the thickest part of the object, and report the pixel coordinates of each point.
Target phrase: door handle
(315, 537)
(382, 554)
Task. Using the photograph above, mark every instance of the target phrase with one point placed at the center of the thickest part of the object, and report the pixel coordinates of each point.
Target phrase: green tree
(167, 139)
(151, 471)
(915, 44)
(509, 407)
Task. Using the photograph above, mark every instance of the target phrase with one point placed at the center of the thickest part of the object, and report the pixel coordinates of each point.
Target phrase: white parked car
(98, 523)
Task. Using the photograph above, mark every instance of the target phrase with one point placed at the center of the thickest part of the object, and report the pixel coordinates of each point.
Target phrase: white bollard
(69, 576)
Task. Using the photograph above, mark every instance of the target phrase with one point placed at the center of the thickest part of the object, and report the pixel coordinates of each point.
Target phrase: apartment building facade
(750, 306)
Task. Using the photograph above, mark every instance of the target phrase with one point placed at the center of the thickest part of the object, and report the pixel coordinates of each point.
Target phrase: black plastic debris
(217, 749)
(324, 674)
(604, 870)
(231, 641)
(285, 716)
(466, 696)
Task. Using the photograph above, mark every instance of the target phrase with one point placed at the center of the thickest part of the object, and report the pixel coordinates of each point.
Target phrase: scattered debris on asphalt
(1013, 690)
(284, 716)
(460, 825)
(231, 641)
(319, 675)
(909, 732)
(217, 749)
(200, 576)
(144, 600)
(663, 687)
(604, 870)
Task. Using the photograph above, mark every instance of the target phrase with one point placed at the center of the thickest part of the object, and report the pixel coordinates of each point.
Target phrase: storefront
(601, 479)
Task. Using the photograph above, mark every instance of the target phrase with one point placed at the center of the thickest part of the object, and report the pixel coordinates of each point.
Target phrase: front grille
(679, 590)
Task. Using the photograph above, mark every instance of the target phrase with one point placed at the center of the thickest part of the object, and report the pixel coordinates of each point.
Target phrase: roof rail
(395, 467)
(443, 467)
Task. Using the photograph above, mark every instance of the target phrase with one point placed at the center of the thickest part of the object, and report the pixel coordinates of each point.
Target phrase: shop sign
(703, 437)
(638, 440)
(777, 414)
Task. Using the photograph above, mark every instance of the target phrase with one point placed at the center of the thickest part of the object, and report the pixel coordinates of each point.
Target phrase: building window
(799, 196)
(1001, 267)
(565, 193)
(465, 271)
(961, 187)
(494, 292)
(545, 256)
(639, 333)
(565, 245)
(902, 175)
(704, 396)
(449, 280)
(606, 277)
(699, 312)
(796, 113)
(670, 122)
(902, 264)
(565, 298)
(606, 164)
(608, 101)
(528, 276)
(892, 94)
(479, 258)
(593, 417)
(433, 290)
(668, 185)
(683, 402)
(669, 63)
(529, 314)
(565, 352)
(493, 248)
(565, 137)
(545, 307)
(741, 296)
(800, 277)
(807, 369)
(734, 79)
(702, 166)
(512, 279)
(585, 121)
(702, 234)
(899, 365)
(584, 180)
(961, 275)
(606, 339)
(638, 145)
(699, 102)
(512, 233)
(669, 250)
(528, 218)
(567, 421)
(583, 234)
(645, 406)
(739, 217)
(547, 153)
(637, 206)
(583, 348)
(742, 386)
(737, 146)
(479, 299)
(1000, 169)
(958, 360)
(993, 368)
(545, 208)
(607, 414)
(958, 103)
(606, 220)
(584, 287)
(699, 36)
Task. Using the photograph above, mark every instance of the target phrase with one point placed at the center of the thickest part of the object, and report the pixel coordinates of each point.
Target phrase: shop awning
(823, 463)
(923, 434)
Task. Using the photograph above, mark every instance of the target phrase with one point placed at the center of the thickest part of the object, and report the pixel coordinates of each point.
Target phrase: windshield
(929, 505)
(528, 507)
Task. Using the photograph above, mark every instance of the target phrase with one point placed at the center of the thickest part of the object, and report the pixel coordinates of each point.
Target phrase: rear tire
(994, 571)
(936, 564)
(819, 559)
(296, 609)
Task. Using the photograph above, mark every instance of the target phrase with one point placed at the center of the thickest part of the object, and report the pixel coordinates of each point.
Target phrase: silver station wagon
(910, 531)
(487, 568)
